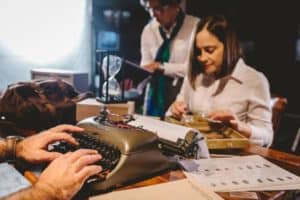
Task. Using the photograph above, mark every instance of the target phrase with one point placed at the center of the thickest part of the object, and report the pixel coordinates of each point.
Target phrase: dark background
(268, 31)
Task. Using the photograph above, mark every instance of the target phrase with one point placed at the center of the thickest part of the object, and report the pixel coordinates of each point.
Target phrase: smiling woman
(41, 32)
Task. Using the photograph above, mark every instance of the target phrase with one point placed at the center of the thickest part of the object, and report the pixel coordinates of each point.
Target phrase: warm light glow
(41, 31)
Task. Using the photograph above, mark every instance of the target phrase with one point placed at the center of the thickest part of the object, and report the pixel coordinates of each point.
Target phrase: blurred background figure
(166, 44)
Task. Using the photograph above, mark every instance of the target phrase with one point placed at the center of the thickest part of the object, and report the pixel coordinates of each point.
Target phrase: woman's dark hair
(219, 27)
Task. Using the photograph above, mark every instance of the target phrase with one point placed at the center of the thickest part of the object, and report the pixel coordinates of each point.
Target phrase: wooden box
(217, 135)
(90, 107)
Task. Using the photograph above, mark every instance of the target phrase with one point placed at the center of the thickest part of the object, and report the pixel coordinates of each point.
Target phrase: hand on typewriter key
(110, 155)
(34, 148)
(66, 174)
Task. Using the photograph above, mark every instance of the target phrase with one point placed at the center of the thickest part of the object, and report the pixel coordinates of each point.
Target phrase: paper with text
(245, 173)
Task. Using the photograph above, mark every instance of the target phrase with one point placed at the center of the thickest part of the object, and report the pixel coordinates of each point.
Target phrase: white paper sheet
(168, 131)
(163, 129)
(245, 173)
(175, 190)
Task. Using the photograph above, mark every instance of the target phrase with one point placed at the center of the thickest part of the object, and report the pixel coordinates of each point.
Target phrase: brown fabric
(37, 105)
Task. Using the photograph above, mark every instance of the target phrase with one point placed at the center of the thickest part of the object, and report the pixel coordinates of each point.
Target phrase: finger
(175, 113)
(86, 160)
(233, 123)
(58, 136)
(223, 116)
(212, 115)
(148, 68)
(81, 152)
(67, 127)
(42, 156)
(88, 171)
(46, 156)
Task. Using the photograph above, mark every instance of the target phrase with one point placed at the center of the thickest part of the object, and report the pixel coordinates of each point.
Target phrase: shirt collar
(238, 71)
(169, 31)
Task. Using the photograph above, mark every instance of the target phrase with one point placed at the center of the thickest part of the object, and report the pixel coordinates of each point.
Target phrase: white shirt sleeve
(260, 113)
(147, 40)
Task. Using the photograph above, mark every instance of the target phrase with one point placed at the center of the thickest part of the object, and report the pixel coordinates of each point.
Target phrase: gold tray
(217, 135)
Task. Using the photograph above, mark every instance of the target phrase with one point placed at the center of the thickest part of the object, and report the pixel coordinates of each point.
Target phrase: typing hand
(34, 149)
(64, 177)
(178, 108)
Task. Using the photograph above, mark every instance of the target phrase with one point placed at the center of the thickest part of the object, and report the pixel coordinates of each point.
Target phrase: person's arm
(32, 193)
(8, 147)
(182, 47)
(34, 148)
(176, 68)
(3, 150)
(260, 113)
(228, 117)
(258, 127)
(63, 178)
(181, 50)
(147, 46)
(180, 105)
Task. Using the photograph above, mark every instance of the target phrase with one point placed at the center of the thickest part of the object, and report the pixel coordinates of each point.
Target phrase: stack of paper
(246, 173)
(175, 190)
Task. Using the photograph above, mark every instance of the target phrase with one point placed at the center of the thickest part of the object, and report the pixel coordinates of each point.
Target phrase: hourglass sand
(111, 65)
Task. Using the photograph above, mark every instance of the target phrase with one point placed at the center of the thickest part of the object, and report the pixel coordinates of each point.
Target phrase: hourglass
(111, 88)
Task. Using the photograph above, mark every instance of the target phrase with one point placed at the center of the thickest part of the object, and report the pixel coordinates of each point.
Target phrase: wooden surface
(287, 161)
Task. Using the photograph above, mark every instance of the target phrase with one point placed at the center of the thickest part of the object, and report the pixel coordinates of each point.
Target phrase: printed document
(244, 173)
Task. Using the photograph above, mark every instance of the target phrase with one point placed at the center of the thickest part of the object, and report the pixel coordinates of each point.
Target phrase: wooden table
(287, 161)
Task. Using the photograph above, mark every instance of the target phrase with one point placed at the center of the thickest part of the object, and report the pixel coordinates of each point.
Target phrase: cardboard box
(90, 107)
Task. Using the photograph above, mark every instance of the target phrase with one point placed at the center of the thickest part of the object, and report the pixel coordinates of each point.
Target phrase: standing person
(64, 176)
(222, 87)
(166, 44)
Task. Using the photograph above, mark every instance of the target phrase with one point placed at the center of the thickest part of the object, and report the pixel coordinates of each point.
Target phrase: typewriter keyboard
(110, 155)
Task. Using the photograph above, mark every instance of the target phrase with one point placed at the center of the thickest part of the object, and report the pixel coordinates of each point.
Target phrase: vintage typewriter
(129, 152)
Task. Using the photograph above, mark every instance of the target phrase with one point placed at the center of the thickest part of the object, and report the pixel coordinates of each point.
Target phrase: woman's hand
(152, 67)
(178, 108)
(228, 117)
